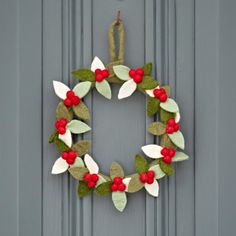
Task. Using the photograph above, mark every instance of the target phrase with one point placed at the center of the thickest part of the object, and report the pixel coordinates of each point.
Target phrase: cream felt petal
(59, 166)
(77, 127)
(119, 200)
(104, 89)
(150, 91)
(126, 182)
(122, 72)
(91, 164)
(81, 89)
(97, 64)
(177, 117)
(170, 105)
(127, 89)
(78, 163)
(66, 138)
(101, 180)
(152, 150)
(152, 189)
(60, 89)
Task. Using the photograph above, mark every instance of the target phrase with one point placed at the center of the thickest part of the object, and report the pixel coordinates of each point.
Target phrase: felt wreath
(72, 115)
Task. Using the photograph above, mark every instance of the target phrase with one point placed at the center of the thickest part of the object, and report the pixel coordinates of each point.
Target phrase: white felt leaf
(104, 88)
(81, 89)
(152, 189)
(177, 117)
(170, 105)
(78, 163)
(158, 172)
(150, 91)
(177, 138)
(127, 89)
(100, 180)
(77, 127)
(119, 200)
(60, 89)
(97, 64)
(152, 150)
(59, 166)
(66, 138)
(91, 164)
(126, 182)
(122, 72)
(180, 156)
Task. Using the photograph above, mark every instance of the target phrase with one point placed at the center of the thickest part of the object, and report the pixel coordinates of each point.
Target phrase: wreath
(72, 115)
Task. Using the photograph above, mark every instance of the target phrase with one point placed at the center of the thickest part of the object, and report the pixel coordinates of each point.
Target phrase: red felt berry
(164, 151)
(72, 154)
(98, 71)
(117, 180)
(70, 94)
(137, 78)
(70, 160)
(150, 174)
(140, 71)
(169, 130)
(171, 122)
(57, 124)
(121, 187)
(150, 180)
(163, 97)
(105, 73)
(176, 127)
(143, 177)
(94, 177)
(63, 122)
(99, 78)
(61, 130)
(171, 152)
(87, 177)
(162, 91)
(91, 184)
(75, 100)
(114, 187)
(157, 93)
(67, 102)
(132, 73)
(167, 159)
(64, 155)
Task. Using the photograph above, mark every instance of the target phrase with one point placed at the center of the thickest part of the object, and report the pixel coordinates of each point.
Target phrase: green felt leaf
(170, 105)
(147, 69)
(148, 83)
(84, 74)
(78, 172)
(104, 89)
(81, 147)
(104, 188)
(180, 156)
(166, 142)
(177, 138)
(81, 89)
(83, 189)
(165, 115)
(101, 180)
(167, 89)
(119, 200)
(141, 164)
(78, 163)
(166, 168)
(152, 106)
(158, 172)
(52, 137)
(116, 170)
(77, 127)
(63, 112)
(82, 111)
(135, 184)
(61, 146)
(122, 72)
(157, 128)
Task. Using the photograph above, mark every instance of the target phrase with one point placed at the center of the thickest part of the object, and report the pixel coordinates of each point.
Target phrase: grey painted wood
(192, 46)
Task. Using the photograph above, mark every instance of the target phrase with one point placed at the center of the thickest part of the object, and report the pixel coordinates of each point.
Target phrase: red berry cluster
(148, 177)
(61, 126)
(71, 99)
(118, 185)
(161, 94)
(168, 154)
(91, 179)
(136, 75)
(69, 156)
(100, 75)
(172, 126)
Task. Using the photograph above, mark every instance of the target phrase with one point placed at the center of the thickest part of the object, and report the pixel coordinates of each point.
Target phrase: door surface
(192, 46)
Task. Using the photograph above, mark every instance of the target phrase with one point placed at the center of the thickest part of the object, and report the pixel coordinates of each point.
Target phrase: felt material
(170, 105)
(180, 156)
(59, 166)
(153, 106)
(60, 89)
(82, 89)
(61, 146)
(150, 93)
(147, 68)
(66, 138)
(53, 137)
(116, 170)
(157, 128)
(158, 172)
(84, 74)
(177, 138)
(126, 182)
(166, 168)
(83, 189)
(104, 188)
(152, 189)
(177, 117)
(141, 164)
(104, 89)
(155, 162)
(81, 147)
(122, 72)
(119, 200)
(147, 83)
(165, 115)
(78, 172)
(127, 89)
(78, 163)
(91, 164)
(97, 64)
(107, 178)
(77, 127)
(82, 111)
(100, 180)
(135, 184)
(63, 112)
(167, 89)
(166, 142)
(152, 151)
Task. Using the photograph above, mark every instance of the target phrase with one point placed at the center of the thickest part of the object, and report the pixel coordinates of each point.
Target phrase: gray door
(192, 46)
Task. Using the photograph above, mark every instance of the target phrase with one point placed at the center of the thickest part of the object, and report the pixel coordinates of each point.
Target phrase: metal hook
(118, 19)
